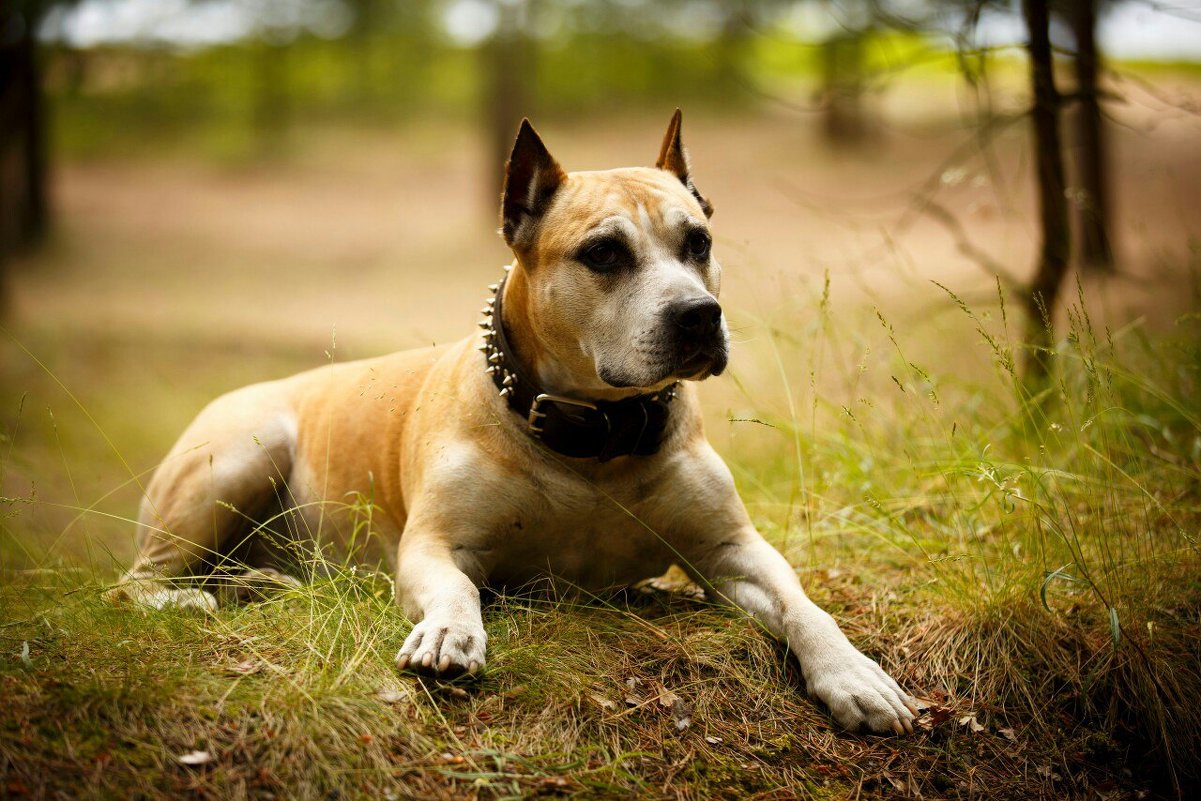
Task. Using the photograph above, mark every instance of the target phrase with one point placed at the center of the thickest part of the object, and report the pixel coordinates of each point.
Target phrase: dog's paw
(861, 695)
(153, 595)
(443, 648)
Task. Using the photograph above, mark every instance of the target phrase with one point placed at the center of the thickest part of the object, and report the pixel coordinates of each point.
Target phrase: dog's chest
(581, 534)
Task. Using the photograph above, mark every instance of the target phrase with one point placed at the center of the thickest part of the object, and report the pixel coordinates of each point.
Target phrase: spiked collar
(583, 429)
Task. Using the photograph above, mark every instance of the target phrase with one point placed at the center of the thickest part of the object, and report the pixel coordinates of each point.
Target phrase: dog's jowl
(562, 439)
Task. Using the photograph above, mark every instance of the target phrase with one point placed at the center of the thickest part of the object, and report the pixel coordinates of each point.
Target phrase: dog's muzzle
(699, 337)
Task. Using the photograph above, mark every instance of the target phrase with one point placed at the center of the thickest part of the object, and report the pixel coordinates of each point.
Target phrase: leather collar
(584, 429)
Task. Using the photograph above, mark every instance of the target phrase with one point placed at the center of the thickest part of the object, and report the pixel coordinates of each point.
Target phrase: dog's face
(615, 286)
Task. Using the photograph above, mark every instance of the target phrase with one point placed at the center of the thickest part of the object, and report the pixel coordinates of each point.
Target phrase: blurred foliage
(396, 63)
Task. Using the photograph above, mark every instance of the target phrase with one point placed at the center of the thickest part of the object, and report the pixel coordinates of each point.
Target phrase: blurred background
(197, 194)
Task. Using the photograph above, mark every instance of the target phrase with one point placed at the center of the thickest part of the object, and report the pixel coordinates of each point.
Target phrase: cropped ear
(674, 158)
(531, 177)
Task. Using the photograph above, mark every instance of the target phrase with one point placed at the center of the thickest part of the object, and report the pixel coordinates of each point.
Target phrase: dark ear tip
(525, 131)
(527, 139)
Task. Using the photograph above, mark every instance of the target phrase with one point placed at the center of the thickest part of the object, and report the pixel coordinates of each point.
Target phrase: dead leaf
(929, 703)
(713, 740)
(453, 759)
(681, 713)
(1007, 734)
(603, 702)
(245, 668)
(971, 723)
(905, 784)
(932, 715)
(25, 660)
(389, 695)
(674, 581)
(668, 699)
(195, 758)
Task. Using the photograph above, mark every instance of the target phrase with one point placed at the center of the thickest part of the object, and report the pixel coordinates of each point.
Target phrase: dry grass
(1027, 564)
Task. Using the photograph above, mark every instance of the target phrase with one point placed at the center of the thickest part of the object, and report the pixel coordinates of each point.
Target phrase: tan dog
(557, 442)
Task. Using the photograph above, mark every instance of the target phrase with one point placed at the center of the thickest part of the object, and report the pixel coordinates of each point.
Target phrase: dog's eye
(698, 244)
(603, 255)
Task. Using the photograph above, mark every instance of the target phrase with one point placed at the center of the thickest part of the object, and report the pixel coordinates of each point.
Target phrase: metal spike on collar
(494, 358)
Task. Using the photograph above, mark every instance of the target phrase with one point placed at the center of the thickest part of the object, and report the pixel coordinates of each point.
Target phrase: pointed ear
(674, 158)
(531, 177)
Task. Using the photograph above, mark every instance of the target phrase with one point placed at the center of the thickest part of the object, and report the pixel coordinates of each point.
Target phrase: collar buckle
(535, 420)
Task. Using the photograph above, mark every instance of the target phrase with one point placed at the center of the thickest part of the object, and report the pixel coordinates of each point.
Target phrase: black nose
(697, 317)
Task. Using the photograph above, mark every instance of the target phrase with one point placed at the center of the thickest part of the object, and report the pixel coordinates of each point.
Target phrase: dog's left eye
(603, 255)
(698, 244)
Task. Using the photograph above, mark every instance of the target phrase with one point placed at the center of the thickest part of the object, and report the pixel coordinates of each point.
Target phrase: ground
(1026, 565)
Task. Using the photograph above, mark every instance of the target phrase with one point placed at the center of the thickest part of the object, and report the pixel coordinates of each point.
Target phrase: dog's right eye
(603, 255)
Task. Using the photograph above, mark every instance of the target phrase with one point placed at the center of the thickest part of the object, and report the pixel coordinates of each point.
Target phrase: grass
(1026, 563)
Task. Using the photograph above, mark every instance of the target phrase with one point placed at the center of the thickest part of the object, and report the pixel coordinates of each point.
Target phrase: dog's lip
(705, 362)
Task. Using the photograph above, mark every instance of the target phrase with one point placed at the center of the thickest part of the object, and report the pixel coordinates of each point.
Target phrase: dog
(563, 439)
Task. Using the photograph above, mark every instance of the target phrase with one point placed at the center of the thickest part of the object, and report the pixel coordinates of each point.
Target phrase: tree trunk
(22, 137)
(24, 202)
(729, 53)
(1096, 246)
(272, 103)
(508, 63)
(1052, 205)
(843, 121)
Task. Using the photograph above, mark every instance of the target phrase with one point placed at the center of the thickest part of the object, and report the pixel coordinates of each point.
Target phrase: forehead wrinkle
(632, 196)
(681, 217)
(644, 218)
(666, 210)
(615, 224)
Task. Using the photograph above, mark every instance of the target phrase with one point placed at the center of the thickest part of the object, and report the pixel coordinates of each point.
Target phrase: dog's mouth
(693, 362)
(704, 362)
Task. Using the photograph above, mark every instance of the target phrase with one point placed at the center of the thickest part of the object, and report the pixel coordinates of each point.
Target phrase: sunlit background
(197, 195)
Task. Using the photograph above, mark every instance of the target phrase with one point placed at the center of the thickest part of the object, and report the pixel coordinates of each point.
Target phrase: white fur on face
(632, 343)
(614, 326)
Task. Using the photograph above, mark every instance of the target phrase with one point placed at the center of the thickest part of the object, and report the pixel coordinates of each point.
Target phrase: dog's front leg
(443, 602)
(747, 572)
(736, 565)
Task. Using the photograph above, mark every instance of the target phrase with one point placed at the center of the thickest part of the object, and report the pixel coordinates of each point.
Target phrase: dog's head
(614, 288)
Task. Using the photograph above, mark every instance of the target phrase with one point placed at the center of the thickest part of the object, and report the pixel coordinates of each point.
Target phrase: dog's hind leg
(233, 462)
